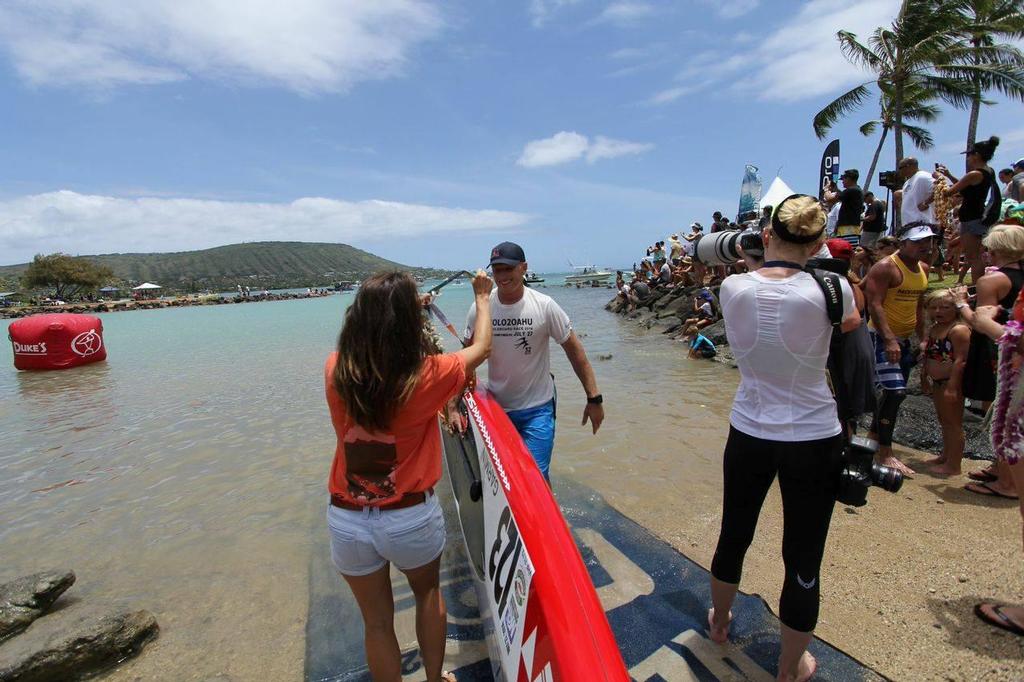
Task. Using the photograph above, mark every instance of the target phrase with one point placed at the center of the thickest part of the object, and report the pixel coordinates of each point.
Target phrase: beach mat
(655, 598)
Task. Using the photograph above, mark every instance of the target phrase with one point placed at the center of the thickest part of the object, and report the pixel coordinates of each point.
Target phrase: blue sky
(421, 131)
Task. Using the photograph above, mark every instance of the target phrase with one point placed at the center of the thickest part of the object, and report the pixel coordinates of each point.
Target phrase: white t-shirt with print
(519, 369)
(917, 190)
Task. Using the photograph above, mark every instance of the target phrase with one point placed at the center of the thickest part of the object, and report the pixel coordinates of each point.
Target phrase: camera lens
(886, 478)
(718, 248)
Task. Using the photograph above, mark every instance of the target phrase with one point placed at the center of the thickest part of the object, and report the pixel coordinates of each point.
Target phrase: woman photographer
(384, 389)
(783, 423)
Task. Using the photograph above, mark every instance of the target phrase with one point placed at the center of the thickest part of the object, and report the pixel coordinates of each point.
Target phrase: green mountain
(270, 265)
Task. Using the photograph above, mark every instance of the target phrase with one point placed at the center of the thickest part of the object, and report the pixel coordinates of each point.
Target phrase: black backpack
(993, 200)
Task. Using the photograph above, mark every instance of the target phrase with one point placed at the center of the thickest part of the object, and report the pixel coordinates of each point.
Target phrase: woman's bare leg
(377, 604)
(431, 617)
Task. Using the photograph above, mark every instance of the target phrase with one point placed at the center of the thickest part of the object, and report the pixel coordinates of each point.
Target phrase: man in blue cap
(519, 369)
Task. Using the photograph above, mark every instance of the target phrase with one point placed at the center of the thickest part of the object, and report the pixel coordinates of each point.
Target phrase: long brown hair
(380, 349)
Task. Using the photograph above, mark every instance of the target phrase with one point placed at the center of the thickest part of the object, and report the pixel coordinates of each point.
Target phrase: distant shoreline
(87, 307)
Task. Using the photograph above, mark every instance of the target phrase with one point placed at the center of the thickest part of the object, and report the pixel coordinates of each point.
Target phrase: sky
(422, 131)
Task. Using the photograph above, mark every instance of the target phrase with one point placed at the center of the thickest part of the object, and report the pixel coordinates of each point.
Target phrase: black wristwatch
(596, 400)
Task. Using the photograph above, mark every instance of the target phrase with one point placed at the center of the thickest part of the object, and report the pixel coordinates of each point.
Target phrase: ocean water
(187, 473)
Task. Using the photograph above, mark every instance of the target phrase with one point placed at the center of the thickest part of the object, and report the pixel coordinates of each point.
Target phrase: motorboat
(533, 278)
(589, 275)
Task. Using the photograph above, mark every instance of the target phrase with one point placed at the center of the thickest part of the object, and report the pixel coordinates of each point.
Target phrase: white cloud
(542, 10)
(560, 148)
(798, 60)
(607, 148)
(565, 146)
(625, 12)
(89, 224)
(305, 45)
(670, 94)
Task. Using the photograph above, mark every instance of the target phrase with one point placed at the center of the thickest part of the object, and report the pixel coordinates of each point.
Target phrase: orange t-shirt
(376, 468)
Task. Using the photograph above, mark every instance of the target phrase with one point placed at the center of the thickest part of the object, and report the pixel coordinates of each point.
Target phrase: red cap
(840, 248)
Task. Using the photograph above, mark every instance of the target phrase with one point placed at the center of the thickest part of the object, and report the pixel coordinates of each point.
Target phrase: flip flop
(448, 677)
(985, 490)
(1001, 620)
(982, 476)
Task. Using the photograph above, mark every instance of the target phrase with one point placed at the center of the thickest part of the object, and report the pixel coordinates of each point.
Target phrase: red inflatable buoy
(57, 341)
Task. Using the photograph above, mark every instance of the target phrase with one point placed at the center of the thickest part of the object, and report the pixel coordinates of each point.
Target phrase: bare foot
(805, 670)
(946, 470)
(939, 459)
(719, 633)
(894, 462)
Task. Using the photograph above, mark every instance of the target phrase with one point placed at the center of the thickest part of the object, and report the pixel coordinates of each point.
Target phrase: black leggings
(808, 477)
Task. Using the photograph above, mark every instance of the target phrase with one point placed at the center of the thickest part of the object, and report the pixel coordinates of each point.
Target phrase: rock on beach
(25, 599)
(75, 644)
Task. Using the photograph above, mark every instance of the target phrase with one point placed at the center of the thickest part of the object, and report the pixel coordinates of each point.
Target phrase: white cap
(916, 234)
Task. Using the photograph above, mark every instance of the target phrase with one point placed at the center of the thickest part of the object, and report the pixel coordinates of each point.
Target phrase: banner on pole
(750, 192)
(829, 168)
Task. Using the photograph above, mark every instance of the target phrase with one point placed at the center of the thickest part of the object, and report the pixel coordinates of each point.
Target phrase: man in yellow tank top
(894, 293)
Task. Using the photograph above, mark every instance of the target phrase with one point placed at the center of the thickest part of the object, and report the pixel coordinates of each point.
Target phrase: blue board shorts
(365, 541)
(537, 427)
(891, 376)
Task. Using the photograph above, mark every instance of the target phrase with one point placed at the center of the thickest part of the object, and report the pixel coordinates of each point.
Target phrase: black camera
(860, 473)
(890, 180)
(719, 248)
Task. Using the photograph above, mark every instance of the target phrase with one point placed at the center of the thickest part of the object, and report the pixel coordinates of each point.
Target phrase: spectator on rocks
(701, 347)
(975, 189)
(675, 248)
(945, 356)
(718, 223)
(894, 290)
(703, 313)
(996, 293)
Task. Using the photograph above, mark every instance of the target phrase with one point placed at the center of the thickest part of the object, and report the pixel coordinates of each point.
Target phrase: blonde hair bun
(802, 216)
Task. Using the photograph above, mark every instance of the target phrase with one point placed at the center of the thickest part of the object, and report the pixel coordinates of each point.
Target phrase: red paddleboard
(542, 618)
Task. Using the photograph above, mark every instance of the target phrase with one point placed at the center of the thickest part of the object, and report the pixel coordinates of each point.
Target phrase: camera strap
(829, 284)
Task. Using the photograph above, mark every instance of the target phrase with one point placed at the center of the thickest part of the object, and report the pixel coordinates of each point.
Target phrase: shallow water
(186, 474)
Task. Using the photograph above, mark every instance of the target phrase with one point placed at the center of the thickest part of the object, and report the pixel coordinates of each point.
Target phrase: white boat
(589, 274)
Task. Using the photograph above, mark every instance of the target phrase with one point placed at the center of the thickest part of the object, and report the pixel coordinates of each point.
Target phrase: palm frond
(869, 128)
(857, 52)
(839, 107)
(921, 138)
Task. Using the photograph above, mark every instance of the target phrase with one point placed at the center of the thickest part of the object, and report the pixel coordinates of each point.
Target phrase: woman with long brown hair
(384, 388)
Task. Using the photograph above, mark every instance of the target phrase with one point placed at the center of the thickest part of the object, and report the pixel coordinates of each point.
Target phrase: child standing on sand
(945, 356)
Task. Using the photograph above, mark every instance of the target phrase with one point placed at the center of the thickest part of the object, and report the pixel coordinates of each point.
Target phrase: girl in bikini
(945, 355)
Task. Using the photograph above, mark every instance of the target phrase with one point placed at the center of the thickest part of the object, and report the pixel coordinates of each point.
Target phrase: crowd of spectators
(900, 266)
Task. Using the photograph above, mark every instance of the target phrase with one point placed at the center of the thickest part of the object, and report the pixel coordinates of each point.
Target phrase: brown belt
(407, 500)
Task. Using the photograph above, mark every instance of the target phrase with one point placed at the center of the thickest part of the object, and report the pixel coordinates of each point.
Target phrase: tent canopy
(778, 191)
(5, 294)
(147, 285)
(110, 288)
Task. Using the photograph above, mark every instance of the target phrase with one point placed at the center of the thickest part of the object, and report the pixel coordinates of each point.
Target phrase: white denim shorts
(364, 541)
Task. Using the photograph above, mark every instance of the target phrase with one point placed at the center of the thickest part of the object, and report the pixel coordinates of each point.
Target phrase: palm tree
(915, 108)
(912, 54)
(998, 66)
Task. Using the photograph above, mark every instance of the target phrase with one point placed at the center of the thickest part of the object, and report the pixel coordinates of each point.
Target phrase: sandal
(982, 476)
(985, 490)
(997, 618)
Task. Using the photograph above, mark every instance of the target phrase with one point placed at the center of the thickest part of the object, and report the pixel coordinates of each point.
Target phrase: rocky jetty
(25, 599)
(117, 306)
(665, 309)
(74, 642)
